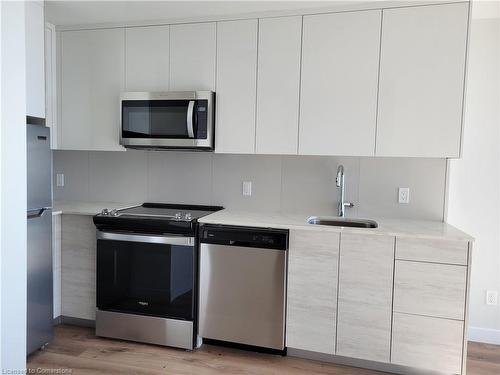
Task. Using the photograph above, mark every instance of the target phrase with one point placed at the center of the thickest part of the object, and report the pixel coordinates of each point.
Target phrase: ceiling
(70, 12)
(67, 13)
(92, 12)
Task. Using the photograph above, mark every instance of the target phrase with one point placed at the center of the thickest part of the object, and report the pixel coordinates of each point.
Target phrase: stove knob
(105, 212)
(187, 216)
(178, 216)
(113, 213)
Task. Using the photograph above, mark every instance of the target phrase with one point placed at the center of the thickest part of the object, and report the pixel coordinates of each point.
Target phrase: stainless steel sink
(342, 222)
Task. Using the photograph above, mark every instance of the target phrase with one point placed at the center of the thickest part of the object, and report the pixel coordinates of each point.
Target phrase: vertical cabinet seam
(300, 81)
(378, 80)
(392, 304)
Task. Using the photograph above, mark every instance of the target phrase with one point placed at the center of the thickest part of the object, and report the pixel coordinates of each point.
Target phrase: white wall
(473, 202)
(301, 184)
(13, 187)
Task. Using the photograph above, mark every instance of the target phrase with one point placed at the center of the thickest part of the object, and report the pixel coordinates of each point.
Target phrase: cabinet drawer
(432, 250)
(429, 343)
(430, 289)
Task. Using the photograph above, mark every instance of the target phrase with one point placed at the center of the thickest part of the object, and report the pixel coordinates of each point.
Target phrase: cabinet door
(365, 296)
(422, 80)
(312, 290)
(51, 84)
(236, 80)
(278, 85)
(340, 62)
(35, 71)
(147, 58)
(429, 343)
(192, 57)
(92, 74)
(78, 267)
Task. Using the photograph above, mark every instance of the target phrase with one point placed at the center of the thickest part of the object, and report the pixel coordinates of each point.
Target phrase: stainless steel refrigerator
(39, 235)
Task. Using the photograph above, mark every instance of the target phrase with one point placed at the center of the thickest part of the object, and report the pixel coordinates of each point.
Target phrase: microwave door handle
(190, 128)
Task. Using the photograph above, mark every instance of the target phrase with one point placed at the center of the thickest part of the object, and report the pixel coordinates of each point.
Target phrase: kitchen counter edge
(393, 227)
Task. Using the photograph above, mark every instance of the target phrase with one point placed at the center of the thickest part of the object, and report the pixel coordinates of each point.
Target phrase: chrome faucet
(340, 180)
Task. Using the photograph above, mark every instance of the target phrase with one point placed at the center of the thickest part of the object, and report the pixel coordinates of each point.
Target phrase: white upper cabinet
(147, 58)
(236, 86)
(422, 81)
(278, 84)
(340, 63)
(35, 57)
(51, 84)
(356, 83)
(192, 57)
(92, 75)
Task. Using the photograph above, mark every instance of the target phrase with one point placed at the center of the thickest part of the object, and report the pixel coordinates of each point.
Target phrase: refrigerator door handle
(32, 214)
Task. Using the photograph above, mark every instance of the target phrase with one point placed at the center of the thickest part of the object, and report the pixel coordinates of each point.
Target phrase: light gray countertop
(87, 208)
(393, 227)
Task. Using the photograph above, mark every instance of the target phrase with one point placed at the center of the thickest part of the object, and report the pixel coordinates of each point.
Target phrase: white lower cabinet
(312, 290)
(78, 267)
(350, 296)
(427, 343)
(429, 315)
(365, 296)
(56, 264)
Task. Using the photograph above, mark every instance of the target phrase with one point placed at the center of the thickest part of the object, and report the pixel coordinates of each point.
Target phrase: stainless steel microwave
(168, 120)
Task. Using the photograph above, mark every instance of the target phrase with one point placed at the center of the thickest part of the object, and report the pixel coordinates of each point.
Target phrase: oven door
(171, 120)
(146, 275)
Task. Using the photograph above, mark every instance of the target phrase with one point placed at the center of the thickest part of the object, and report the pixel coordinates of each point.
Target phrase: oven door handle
(190, 127)
(166, 240)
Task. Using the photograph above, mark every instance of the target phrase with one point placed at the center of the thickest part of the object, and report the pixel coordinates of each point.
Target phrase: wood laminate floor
(79, 350)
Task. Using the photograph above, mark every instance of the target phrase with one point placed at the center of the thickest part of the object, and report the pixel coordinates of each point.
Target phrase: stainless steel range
(147, 260)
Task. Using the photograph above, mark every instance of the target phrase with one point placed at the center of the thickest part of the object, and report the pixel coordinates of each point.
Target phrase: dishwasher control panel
(266, 238)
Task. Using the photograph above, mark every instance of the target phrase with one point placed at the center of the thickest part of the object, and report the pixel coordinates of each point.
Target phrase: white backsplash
(299, 184)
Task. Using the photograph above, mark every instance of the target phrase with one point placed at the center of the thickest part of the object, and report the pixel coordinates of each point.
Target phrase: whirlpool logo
(143, 303)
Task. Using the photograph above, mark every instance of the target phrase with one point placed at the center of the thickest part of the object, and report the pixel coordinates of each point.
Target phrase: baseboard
(360, 363)
(485, 335)
(61, 319)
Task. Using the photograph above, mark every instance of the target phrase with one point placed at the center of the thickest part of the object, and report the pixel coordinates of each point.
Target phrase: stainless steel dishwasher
(243, 285)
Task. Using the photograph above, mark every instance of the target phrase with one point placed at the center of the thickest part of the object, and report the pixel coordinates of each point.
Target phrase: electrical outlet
(404, 195)
(491, 297)
(247, 188)
(60, 179)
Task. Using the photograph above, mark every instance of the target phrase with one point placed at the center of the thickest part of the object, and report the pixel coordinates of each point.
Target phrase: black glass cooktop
(154, 218)
(179, 212)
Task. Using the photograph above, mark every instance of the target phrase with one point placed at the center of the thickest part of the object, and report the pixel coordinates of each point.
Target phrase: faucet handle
(348, 204)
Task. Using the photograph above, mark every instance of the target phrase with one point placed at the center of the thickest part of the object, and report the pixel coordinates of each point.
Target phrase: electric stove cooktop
(154, 218)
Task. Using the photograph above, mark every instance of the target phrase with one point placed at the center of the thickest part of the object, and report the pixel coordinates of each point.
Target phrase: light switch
(60, 179)
(404, 195)
(247, 188)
